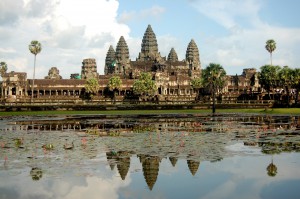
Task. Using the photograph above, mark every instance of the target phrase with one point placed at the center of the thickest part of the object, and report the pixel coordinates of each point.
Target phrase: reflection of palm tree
(36, 173)
(272, 169)
(193, 166)
(111, 159)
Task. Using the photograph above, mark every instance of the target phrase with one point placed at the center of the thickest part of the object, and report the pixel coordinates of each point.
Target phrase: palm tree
(270, 46)
(3, 68)
(214, 79)
(35, 48)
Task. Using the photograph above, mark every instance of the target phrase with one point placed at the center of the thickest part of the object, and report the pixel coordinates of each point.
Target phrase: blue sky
(229, 32)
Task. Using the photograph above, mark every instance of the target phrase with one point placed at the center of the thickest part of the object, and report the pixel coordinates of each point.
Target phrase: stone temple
(171, 75)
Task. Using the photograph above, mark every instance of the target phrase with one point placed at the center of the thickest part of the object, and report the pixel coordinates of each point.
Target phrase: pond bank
(280, 111)
(87, 107)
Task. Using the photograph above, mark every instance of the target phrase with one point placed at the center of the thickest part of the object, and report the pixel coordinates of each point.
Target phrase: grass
(285, 111)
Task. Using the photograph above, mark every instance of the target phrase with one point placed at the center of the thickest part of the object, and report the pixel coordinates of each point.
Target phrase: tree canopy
(114, 83)
(268, 77)
(144, 85)
(270, 47)
(213, 75)
(92, 86)
(35, 47)
(3, 68)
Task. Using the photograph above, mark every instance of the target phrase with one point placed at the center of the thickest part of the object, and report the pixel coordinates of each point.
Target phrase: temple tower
(89, 69)
(53, 74)
(122, 57)
(172, 57)
(110, 61)
(149, 50)
(193, 59)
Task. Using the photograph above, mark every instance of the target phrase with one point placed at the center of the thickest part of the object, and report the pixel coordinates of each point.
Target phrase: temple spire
(172, 57)
(149, 47)
(109, 60)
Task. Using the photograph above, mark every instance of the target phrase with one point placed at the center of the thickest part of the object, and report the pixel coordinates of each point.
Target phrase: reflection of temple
(123, 163)
(173, 160)
(193, 166)
(150, 168)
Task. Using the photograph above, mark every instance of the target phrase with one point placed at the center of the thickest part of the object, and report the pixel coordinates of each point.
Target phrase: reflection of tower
(111, 159)
(193, 166)
(123, 164)
(173, 160)
(150, 169)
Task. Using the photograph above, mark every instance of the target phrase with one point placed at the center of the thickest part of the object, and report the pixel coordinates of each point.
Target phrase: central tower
(149, 50)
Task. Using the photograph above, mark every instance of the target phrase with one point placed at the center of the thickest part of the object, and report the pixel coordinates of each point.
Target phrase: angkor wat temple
(172, 76)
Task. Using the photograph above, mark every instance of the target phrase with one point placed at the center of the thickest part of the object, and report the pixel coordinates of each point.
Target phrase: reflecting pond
(150, 156)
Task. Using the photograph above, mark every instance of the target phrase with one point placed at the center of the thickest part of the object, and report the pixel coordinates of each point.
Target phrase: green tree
(144, 86)
(268, 77)
(3, 68)
(296, 83)
(270, 47)
(197, 84)
(213, 77)
(91, 86)
(114, 84)
(35, 48)
(286, 77)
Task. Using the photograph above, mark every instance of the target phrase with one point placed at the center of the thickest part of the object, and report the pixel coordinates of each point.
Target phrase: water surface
(150, 156)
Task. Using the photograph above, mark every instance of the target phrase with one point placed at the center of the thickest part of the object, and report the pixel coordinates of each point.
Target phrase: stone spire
(193, 59)
(172, 57)
(122, 52)
(89, 69)
(192, 53)
(149, 46)
(122, 58)
(110, 58)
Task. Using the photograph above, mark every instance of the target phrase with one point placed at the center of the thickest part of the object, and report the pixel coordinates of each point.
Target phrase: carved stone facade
(172, 76)
(89, 69)
(14, 84)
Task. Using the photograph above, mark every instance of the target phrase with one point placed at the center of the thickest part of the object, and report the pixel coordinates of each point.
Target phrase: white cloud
(153, 12)
(69, 31)
(244, 45)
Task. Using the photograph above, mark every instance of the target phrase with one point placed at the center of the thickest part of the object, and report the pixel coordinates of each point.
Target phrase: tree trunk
(214, 105)
(32, 90)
